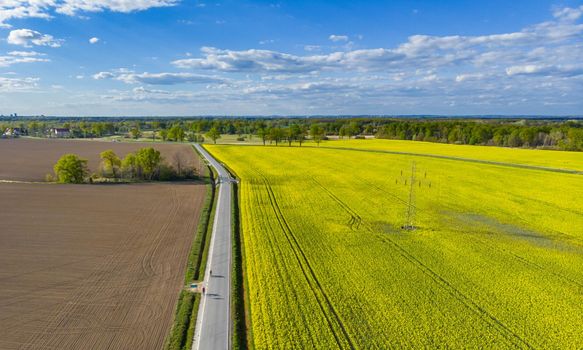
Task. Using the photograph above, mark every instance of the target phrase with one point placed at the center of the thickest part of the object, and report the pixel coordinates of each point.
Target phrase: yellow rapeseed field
(521, 156)
(496, 260)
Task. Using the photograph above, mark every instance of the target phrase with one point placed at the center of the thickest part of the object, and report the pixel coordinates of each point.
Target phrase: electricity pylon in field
(412, 182)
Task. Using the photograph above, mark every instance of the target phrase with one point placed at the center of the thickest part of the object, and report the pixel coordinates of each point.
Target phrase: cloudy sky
(186, 57)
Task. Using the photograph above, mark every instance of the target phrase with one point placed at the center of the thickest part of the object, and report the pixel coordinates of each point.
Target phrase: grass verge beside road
(182, 332)
(239, 314)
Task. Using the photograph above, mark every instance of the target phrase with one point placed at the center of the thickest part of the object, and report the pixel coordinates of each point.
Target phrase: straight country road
(213, 326)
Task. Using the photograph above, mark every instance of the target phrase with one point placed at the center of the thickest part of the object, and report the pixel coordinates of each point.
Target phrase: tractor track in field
(355, 219)
(522, 259)
(309, 273)
(461, 159)
(525, 261)
(504, 330)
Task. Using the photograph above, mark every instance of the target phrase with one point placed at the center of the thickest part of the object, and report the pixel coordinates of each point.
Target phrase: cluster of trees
(292, 133)
(549, 133)
(146, 164)
(566, 136)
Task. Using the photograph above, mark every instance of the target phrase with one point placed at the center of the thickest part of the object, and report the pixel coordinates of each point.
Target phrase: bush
(71, 169)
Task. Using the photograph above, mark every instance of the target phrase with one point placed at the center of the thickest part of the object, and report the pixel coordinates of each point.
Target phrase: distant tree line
(532, 133)
(146, 164)
(565, 136)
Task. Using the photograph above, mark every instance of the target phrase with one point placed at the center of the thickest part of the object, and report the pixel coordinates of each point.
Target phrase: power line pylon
(409, 224)
(412, 182)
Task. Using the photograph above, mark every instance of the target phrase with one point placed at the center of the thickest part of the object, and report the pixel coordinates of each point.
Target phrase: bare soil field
(91, 266)
(26, 159)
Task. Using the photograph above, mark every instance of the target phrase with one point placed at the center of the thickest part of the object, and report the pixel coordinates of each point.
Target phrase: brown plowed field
(93, 266)
(27, 159)
(90, 266)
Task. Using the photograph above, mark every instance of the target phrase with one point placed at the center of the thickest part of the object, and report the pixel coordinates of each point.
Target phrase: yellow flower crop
(496, 260)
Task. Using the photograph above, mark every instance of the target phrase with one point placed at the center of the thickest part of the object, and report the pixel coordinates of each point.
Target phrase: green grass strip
(182, 332)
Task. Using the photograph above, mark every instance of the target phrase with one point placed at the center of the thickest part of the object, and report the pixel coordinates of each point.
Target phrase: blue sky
(173, 57)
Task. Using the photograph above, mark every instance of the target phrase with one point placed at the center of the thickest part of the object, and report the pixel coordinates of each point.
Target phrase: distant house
(14, 132)
(59, 132)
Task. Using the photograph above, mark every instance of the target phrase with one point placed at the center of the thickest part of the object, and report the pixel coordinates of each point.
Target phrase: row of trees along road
(146, 164)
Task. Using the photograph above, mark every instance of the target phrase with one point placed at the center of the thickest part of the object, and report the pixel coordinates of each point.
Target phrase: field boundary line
(462, 159)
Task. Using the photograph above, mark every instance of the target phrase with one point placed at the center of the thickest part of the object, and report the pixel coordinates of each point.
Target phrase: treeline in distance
(530, 133)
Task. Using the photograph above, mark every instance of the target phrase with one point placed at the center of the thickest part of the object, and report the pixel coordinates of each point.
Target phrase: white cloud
(143, 90)
(526, 69)
(469, 76)
(71, 7)
(337, 38)
(516, 72)
(272, 61)
(311, 48)
(569, 14)
(17, 84)
(158, 78)
(25, 53)
(537, 44)
(15, 57)
(15, 9)
(94, 40)
(28, 38)
(103, 75)
(546, 70)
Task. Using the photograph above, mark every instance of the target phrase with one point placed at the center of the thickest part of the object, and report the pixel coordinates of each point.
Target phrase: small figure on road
(203, 290)
(211, 272)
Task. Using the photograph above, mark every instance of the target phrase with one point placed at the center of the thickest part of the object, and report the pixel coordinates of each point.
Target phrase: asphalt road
(213, 326)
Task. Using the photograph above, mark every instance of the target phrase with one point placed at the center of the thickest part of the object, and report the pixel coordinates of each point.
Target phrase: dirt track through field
(31, 159)
(93, 266)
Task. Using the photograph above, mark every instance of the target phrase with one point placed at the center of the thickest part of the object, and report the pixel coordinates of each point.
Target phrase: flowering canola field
(496, 259)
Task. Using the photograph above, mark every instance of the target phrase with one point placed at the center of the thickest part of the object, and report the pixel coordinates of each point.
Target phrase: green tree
(352, 129)
(276, 134)
(84, 128)
(110, 162)
(213, 134)
(135, 132)
(129, 166)
(514, 139)
(71, 169)
(176, 133)
(262, 134)
(342, 132)
(155, 126)
(317, 132)
(292, 133)
(164, 134)
(148, 160)
(301, 136)
(97, 129)
(33, 128)
(574, 141)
